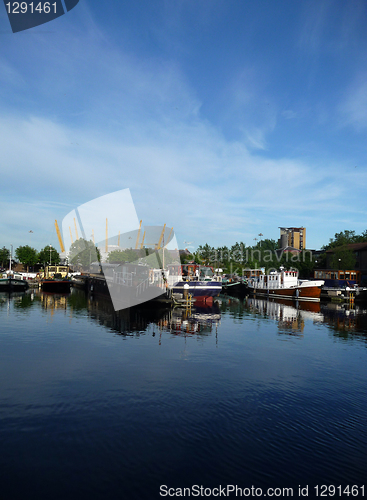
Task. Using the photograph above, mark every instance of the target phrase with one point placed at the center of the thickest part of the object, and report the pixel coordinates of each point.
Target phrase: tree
(269, 244)
(83, 253)
(27, 255)
(345, 238)
(44, 256)
(205, 253)
(343, 259)
(4, 256)
(127, 255)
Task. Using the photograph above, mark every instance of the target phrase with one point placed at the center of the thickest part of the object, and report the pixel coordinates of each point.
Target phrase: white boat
(285, 284)
(198, 281)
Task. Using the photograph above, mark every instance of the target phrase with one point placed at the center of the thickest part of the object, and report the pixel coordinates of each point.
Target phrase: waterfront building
(294, 237)
(336, 272)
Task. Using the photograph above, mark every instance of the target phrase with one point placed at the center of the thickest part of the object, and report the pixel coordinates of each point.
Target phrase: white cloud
(124, 122)
(189, 177)
(353, 109)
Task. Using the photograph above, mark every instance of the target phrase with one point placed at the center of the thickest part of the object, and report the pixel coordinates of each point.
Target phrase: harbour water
(247, 393)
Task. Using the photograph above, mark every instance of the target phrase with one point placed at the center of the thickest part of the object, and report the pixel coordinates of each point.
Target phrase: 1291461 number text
(31, 7)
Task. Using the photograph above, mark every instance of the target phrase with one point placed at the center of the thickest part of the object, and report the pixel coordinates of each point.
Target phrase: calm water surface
(95, 404)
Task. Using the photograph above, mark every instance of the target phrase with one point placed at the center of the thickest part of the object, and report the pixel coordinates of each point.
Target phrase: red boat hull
(305, 293)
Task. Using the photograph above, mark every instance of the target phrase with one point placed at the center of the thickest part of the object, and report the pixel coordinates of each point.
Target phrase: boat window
(206, 271)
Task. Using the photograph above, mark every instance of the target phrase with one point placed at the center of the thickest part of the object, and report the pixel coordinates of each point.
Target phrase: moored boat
(12, 283)
(56, 279)
(56, 285)
(285, 284)
(235, 286)
(199, 282)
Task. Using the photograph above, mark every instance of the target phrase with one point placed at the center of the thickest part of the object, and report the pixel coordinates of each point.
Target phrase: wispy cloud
(353, 109)
(96, 117)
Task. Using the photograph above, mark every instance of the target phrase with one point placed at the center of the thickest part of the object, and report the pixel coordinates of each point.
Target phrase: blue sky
(225, 118)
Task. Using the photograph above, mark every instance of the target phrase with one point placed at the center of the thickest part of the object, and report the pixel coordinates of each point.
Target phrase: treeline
(29, 256)
(239, 258)
(266, 253)
(81, 253)
(346, 238)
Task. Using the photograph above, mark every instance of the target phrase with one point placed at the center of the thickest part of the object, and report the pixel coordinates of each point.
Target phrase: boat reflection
(346, 319)
(198, 320)
(292, 316)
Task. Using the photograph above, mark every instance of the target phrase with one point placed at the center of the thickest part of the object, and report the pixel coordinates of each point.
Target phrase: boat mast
(11, 256)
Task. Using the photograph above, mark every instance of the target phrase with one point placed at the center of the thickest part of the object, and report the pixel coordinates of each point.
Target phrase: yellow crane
(158, 245)
(161, 238)
(76, 230)
(137, 239)
(142, 242)
(59, 236)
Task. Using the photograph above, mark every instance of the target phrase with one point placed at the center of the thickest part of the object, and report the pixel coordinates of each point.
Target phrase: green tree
(4, 256)
(83, 253)
(44, 256)
(268, 244)
(343, 259)
(27, 255)
(205, 254)
(346, 238)
(127, 255)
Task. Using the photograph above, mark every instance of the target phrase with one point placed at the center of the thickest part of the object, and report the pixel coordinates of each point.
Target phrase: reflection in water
(118, 403)
(197, 320)
(178, 321)
(133, 321)
(292, 315)
(344, 318)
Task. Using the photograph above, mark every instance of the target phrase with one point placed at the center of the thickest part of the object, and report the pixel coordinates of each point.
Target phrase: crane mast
(59, 237)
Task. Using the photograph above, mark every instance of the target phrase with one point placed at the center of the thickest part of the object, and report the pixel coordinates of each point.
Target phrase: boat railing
(142, 287)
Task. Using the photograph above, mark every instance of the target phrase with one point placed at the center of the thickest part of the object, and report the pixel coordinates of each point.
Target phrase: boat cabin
(275, 280)
(56, 272)
(191, 271)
